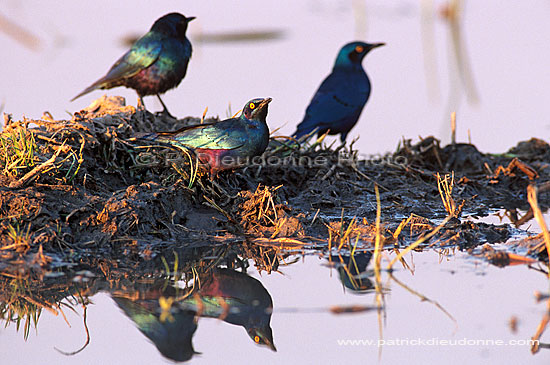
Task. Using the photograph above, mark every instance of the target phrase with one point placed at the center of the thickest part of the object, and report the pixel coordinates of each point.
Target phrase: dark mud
(80, 191)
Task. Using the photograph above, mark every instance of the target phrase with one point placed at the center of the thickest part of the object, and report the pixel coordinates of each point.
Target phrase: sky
(505, 47)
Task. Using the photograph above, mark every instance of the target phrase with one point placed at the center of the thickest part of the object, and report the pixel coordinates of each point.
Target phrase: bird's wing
(336, 99)
(142, 55)
(226, 135)
(333, 101)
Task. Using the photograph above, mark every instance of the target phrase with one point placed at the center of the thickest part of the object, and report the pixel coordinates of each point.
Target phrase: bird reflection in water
(352, 271)
(168, 316)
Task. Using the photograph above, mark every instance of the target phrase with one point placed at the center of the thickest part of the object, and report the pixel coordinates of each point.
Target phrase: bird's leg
(141, 108)
(165, 109)
(141, 104)
(343, 137)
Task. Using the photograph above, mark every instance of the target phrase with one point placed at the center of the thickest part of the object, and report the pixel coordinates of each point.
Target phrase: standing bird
(338, 102)
(157, 62)
(226, 144)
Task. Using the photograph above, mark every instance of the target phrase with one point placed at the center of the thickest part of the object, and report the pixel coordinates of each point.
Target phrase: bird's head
(353, 53)
(262, 336)
(173, 24)
(256, 109)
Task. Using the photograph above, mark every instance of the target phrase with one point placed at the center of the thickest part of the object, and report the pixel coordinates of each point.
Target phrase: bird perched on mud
(157, 62)
(226, 144)
(337, 104)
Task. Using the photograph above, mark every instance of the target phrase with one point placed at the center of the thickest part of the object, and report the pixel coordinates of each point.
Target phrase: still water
(469, 304)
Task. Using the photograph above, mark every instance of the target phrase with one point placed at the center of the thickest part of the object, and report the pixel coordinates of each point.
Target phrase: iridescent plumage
(337, 104)
(156, 62)
(226, 144)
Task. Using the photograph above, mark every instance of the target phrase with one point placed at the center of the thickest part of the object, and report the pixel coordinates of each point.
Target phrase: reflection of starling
(250, 304)
(156, 63)
(337, 104)
(352, 271)
(173, 338)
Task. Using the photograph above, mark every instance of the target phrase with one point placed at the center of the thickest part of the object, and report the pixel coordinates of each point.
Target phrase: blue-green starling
(226, 144)
(157, 62)
(337, 104)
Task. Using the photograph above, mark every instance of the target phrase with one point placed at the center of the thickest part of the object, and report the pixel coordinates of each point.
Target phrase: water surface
(481, 298)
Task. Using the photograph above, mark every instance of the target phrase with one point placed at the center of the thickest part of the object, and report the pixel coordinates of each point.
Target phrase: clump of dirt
(86, 186)
(263, 214)
(534, 150)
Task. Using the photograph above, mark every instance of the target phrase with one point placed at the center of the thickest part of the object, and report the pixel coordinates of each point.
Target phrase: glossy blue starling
(337, 104)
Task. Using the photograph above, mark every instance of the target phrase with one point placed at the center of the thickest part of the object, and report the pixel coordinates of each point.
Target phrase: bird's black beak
(260, 112)
(271, 345)
(266, 335)
(189, 18)
(376, 45)
(265, 102)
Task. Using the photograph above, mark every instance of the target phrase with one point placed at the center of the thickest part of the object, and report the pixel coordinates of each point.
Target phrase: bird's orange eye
(257, 339)
(359, 49)
(251, 105)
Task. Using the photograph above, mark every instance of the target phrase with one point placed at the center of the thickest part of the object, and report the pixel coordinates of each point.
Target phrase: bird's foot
(140, 110)
(165, 114)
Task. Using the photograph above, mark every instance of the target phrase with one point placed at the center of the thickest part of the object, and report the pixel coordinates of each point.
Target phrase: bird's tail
(303, 134)
(87, 90)
(162, 138)
(298, 134)
(96, 85)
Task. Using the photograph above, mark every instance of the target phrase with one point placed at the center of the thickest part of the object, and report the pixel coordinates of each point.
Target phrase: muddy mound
(86, 186)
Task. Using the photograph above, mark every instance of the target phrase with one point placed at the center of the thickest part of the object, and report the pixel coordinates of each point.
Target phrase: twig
(453, 128)
(19, 33)
(424, 299)
(418, 242)
(85, 344)
(329, 172)
(315, 217)
(368, 178)
(535, 340)
(31, 175)
(532, 199)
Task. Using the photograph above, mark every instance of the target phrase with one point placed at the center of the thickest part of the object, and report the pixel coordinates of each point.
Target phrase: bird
(338, 102)
(173, 337)
(352, 271)
(155, 63)
(238, 299)
(226, 144)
